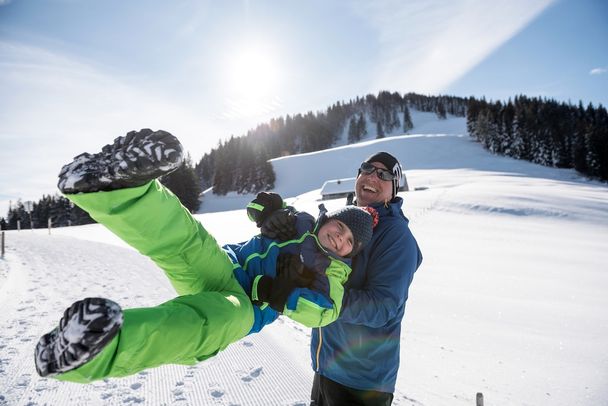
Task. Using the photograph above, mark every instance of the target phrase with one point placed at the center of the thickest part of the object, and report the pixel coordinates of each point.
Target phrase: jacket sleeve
(313, 308)
(389, 274)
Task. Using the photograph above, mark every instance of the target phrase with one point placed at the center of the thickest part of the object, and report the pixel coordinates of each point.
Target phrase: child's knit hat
(360, 221)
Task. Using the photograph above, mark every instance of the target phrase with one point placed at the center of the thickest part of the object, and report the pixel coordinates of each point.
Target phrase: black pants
(326, 392)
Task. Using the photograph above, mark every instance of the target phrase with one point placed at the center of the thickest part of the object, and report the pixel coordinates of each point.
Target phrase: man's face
(335, 236)
(370, 189)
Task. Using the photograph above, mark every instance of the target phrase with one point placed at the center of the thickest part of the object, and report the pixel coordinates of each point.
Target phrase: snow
(510, 300)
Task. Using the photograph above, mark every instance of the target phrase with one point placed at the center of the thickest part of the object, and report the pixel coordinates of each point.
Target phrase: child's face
(336, 237)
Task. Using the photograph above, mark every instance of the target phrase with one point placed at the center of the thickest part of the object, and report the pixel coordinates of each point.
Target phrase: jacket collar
(393, 207)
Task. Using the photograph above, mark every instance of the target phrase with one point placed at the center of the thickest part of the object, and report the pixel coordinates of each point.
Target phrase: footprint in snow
(106, 396)
(133, 399)
(216, 393)
(247, 343)
(136, 386)
(179, 395)
(254, 373)
(41, 387)
(23, 380)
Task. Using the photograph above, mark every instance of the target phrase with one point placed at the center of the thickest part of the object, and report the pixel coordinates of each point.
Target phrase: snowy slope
(510, 300)
(297, 174)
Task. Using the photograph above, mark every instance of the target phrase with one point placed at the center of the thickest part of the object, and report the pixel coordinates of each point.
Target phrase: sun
(252, 77)
(254, 71)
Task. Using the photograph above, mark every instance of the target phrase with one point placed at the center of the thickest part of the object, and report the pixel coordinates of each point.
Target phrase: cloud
(54, 106)
(5, 2)
(425, 45)
(598, 71)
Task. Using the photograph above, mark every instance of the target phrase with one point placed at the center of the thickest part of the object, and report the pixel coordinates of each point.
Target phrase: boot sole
(83, 332)
(129, 161)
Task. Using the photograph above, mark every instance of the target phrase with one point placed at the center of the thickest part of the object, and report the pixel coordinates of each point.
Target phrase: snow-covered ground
(510, 300)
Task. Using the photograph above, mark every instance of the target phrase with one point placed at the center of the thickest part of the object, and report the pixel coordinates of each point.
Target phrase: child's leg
(184, 330)
(151, 219)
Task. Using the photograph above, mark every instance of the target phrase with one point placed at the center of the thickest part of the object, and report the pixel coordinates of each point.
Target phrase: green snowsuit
(212, 310)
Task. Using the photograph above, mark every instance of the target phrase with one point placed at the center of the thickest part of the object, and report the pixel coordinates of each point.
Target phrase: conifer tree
(184, 183)
(353, 130)
(361, 126)
(407, 119)
(379, 130)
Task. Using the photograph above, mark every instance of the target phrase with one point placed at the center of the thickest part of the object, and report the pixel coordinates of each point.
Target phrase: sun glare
(252, 80)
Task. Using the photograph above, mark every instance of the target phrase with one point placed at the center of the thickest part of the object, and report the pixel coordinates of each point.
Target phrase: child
(96, 339)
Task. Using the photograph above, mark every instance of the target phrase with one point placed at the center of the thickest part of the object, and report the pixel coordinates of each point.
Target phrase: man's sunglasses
(383, 174)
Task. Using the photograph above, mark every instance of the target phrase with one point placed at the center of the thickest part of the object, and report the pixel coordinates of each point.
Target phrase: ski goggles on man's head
(383, 174)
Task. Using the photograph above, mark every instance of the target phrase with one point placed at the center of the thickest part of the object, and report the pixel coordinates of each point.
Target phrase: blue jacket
(361, 349)
(316, 306)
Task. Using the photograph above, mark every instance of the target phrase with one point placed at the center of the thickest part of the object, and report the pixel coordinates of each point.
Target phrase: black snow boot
(84, 330)
(130, 161)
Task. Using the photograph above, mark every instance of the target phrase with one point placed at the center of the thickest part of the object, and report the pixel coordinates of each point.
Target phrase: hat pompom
(374, 214)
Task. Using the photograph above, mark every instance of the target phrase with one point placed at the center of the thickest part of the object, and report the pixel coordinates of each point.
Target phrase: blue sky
(76, 74)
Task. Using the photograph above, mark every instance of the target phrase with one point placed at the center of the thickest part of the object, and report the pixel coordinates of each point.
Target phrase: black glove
(291, 273)
(291, 267)
(262, 206)
(280, 225)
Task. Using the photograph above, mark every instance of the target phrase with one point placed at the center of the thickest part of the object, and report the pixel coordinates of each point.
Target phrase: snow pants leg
(212, 310)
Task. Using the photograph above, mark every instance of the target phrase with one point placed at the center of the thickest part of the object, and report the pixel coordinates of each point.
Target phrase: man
(356, 358)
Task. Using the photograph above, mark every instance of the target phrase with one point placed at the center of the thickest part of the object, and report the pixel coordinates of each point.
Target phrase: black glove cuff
(261, 289)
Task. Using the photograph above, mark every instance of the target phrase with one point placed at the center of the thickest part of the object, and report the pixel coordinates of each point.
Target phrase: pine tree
(361, 126)
(407, 119)
(379, 130)
(353, 130)
(440, 111)
(184, 183)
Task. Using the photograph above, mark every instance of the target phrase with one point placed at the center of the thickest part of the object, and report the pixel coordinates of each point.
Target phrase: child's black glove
(264, 204)
(291, 273)
(280, 225)
(290, 266)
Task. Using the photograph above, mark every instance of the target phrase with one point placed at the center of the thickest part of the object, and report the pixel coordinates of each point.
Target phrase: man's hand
(291, 273)
(280, 225)
(264, 204)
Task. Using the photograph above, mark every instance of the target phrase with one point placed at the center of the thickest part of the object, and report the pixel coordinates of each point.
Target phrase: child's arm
(320, 304)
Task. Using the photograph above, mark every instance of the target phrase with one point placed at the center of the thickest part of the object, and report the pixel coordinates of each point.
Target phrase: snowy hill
(297, 174)
(510, 300)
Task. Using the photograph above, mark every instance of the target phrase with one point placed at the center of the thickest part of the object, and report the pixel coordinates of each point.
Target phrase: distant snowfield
(510, 300)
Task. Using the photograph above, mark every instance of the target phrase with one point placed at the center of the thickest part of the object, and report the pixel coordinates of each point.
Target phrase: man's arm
(389, 275)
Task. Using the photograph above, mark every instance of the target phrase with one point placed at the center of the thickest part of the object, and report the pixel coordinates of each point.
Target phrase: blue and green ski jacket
(316, 306)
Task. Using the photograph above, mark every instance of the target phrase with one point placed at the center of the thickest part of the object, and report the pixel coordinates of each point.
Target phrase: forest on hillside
(542, 131)
(241, 164)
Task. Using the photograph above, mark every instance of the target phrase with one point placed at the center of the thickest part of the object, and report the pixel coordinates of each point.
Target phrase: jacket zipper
(319, 348)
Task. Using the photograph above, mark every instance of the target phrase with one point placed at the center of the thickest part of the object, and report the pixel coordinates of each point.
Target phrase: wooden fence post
(2, 245)
(50, 224)
(479, 399)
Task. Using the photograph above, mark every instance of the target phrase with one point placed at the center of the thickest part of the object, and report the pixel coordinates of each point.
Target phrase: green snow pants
(212, 310)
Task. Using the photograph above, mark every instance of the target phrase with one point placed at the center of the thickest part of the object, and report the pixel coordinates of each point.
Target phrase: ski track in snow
(47, 273)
